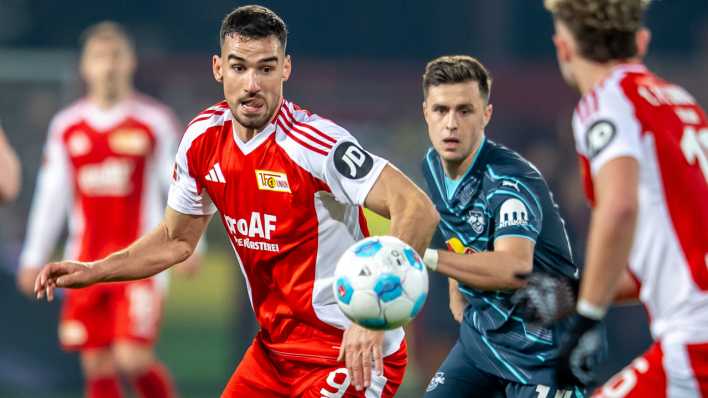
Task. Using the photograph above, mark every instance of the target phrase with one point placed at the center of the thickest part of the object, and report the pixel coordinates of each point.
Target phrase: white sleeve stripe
(293, 127)
(301, 142)
(309, 127)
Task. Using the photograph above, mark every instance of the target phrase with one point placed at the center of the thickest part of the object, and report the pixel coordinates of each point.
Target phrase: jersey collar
(450, 192)
(260, 137)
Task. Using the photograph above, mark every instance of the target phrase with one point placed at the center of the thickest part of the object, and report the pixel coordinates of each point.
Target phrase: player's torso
(670, 252)
(109, 168)
(468, 225)
(287, 230)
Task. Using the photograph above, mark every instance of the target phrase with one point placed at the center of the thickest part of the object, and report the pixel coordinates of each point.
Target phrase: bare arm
(413, 216)
(9, 170)
(495, 270)
(171, 242)
(611, 230)
(457, 300)
(627, 290)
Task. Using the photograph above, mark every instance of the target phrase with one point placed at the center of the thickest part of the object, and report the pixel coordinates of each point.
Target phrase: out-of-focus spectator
(9, 170)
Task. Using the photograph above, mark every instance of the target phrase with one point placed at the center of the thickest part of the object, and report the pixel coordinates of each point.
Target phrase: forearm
(609, 243)
(484, 271)
(413, 220)
(148, 256)
(9, 171)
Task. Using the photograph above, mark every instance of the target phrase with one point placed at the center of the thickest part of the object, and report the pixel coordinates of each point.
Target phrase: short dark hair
(254, 22)
(604, 29)
(452, 69)
(106, 29)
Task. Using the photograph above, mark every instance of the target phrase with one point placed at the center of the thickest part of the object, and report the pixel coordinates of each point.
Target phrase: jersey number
(694, 145)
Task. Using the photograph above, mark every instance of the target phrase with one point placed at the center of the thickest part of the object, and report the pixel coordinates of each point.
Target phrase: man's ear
(488, 111)
(643, 39)
(287, 68)
(216, 68)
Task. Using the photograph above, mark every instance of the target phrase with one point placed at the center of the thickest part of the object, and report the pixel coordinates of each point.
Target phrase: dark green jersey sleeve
(516, 208)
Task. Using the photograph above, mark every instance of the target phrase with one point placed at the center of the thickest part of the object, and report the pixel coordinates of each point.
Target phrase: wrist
(430, 258)
(589, 310)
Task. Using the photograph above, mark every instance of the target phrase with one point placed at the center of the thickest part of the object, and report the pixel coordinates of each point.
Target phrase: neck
(455, 169)
(108, 100)
(589, 74)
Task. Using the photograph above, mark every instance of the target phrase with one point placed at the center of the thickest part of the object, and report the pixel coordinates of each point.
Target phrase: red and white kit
(290, 200)
(108, 171)
(634, 113)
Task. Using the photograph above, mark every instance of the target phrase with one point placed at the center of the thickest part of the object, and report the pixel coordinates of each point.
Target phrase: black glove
(580, 351)
(545, 298)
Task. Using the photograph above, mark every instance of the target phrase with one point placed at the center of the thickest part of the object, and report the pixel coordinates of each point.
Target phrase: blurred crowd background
(356, 62)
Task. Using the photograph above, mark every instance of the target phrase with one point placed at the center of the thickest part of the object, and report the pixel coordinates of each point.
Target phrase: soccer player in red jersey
(107, 164)
(9, 170)
(289, 186)
(643, 146)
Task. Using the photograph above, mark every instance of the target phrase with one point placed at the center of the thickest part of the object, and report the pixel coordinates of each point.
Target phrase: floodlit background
(356, 62)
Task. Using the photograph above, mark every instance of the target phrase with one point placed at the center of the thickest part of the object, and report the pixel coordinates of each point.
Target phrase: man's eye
(238, 68)
(268, 69)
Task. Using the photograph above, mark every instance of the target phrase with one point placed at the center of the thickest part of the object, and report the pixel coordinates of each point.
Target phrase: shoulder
(70, 115)
(609, 109)
(309, 131)
(153, 112)
(502, 163)
(207, 123)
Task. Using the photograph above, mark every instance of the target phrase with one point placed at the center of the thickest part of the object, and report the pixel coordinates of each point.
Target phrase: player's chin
(253, 121)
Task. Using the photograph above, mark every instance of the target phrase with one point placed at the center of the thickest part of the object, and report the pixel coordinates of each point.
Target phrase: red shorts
(262, 374)
(99, 315)
(666, 370)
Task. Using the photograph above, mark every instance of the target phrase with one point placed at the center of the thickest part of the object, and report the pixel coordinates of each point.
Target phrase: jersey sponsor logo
(272, 181)
(215, 175)
(476, 221)
(249, 233)
(352, 161)
(455, 245)
(79, 144)
(133, 142)
(599, 136)
(112, 177)
(438, 379)
(513, 213)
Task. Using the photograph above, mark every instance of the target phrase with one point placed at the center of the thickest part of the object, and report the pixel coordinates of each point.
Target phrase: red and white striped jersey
(290, 200)
(634, 113)
(109, 171)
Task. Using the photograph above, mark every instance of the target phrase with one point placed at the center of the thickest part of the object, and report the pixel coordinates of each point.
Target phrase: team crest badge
(272, 181)
(476, 221)
(438, 379)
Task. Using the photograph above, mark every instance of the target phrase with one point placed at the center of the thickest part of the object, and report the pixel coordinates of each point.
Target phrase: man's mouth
(451, 141)
(252, 105)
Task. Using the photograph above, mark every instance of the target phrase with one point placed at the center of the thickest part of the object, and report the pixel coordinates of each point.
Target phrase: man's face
(107, 65)
(252, 72)
(456, 115)
(566, 52)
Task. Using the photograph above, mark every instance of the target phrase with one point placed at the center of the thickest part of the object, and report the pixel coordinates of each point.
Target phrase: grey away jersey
(501, 195)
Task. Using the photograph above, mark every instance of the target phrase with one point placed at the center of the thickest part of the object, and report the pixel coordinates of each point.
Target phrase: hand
(360, 347)
(457, 305)
(25, 280)
(71, 274)
(545, 299)
(579, 351)
(189, 267)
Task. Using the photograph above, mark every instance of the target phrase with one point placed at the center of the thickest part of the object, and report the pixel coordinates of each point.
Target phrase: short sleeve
(611, 132)
(350, 171)
(517, 210)
(186, 195)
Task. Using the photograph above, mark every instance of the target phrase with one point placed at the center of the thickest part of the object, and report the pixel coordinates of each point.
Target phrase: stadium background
(358, 63)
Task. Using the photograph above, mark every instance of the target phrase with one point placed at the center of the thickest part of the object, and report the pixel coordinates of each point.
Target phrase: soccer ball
(380, 283)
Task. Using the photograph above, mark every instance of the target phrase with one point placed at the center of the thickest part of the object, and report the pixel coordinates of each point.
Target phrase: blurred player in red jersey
(643, 146)
(107, 163)
(9, 170)
(289, 187)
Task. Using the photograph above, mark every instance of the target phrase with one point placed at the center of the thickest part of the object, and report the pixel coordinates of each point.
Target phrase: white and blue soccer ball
(380, 283)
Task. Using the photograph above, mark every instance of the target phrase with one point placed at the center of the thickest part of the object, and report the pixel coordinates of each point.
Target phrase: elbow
(428, 212)
(621, 212)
